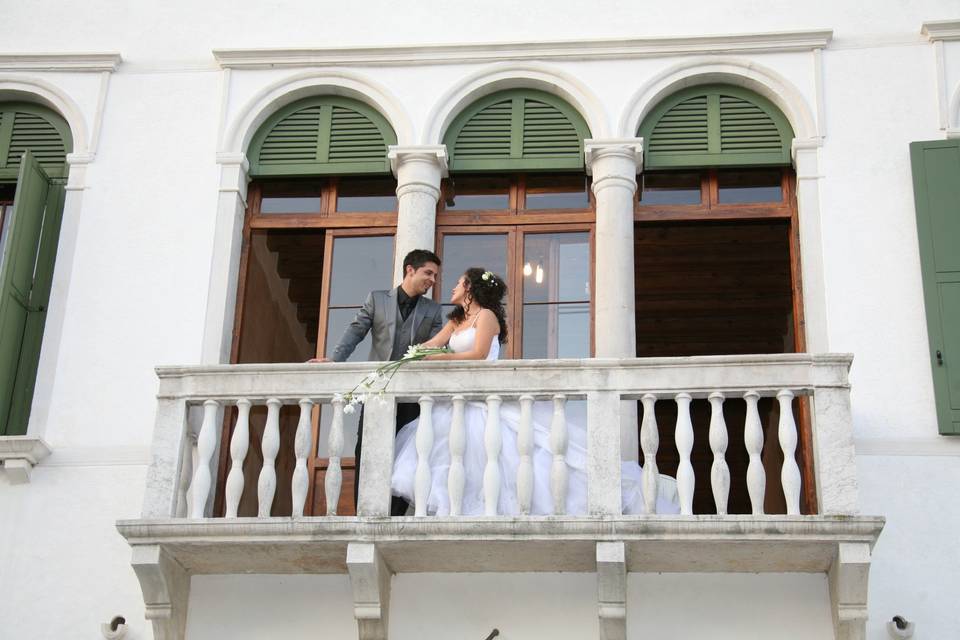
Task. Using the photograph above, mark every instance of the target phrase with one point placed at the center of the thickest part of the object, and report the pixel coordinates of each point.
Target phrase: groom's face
(421, 280)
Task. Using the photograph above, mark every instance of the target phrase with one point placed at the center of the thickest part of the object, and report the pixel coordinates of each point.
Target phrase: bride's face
(459, 292)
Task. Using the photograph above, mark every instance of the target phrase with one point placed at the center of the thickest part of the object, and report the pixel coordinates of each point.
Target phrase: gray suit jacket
(379, 313)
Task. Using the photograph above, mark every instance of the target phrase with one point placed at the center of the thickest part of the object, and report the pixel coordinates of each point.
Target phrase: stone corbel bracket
(20, 454)
(166, 591)
(370, 579)
(848, 578)
(612, 590)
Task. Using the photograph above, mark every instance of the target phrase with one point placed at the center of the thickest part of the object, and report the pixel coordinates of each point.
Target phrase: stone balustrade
(686, 429)
(192, 401)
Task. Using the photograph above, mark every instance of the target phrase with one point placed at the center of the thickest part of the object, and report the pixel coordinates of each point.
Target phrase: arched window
(518, 202)
(318, 235)
(716, 256)
(34, 143)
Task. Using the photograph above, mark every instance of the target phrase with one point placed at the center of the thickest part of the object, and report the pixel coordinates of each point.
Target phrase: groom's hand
(315, 360)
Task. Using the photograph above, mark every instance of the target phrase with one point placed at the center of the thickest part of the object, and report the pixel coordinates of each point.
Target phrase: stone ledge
(19, 454)
(538, 544)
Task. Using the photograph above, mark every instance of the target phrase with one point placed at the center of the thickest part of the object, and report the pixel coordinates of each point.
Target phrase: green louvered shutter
(29, 247)
(713, 126)
(322, 136)
(28, 127)
(936, 191)
(517, 130)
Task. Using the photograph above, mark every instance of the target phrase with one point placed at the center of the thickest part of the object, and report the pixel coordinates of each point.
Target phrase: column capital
(419, 168)
(625, 149)
(614, 162)
(425, 153)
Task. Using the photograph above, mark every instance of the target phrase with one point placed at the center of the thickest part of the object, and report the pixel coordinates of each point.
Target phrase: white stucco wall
(134, 272)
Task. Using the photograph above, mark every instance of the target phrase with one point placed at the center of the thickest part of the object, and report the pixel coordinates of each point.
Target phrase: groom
(399, 318)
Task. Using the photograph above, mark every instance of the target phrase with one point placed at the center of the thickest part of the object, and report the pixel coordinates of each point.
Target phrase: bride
(477, 327)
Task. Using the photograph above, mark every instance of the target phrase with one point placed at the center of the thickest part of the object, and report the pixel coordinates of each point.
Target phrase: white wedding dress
(474, 458)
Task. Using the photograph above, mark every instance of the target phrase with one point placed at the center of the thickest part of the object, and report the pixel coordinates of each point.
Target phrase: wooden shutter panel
(715, 125)
(517, 130)
(936, 190)
(28, 127)
(31, 234)
(487, 135)
(322, 136)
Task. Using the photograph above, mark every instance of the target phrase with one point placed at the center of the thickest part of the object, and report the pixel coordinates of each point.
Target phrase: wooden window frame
(516, 221)
(327, 217)
(710, 207)
(335, 225)
(516, 213)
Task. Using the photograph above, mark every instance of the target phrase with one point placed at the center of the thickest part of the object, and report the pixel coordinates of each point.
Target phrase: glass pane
(670, 188)
(289, 204)
(337, 322)
(556, 267)
(557, 192)
(366, 194)
(466, 193)
(460, 252)
(556, 330)
(739, 187)
(360, 265)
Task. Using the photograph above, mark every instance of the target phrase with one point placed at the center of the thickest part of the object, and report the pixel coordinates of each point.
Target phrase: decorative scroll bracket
(370, 579)
(166, 590)
(849, 576)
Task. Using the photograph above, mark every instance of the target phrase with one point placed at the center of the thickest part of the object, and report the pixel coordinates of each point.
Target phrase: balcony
(817, 529)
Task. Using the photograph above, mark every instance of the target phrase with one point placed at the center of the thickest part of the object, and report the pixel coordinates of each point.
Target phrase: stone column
(419, 170)
(614, 165)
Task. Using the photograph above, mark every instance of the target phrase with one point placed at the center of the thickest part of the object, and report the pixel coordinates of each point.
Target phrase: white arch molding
(275, 96)
(513, 76)
(26, 89)
(805, 152)
(704, 70)
(34, 90)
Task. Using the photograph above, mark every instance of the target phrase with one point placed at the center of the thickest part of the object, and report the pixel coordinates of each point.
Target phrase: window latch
(939, 358)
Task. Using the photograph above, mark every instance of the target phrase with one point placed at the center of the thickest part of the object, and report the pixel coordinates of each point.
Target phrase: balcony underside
(767, 544)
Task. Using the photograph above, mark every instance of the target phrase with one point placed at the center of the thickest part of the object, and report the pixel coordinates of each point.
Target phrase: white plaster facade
(162, 103)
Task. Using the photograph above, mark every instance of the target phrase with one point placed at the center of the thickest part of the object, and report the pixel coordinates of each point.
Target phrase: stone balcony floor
(706, 543)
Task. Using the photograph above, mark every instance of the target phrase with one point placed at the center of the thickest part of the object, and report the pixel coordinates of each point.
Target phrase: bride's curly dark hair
(488, 290)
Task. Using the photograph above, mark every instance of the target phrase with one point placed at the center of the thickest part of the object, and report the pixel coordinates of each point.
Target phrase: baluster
(456, 478)
(333, 478)
(239, 444)
(719, 471)
(558, 443)
(424, 442)
(787, 432)
(186, 474)
(206, 443)
(649, 442)
(525, 448)
(492, 443)
(684, 439)
(753, 439)
(302, 443)
(270, 445)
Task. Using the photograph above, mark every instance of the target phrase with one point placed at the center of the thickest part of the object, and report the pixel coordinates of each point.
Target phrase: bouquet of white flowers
(382, 377)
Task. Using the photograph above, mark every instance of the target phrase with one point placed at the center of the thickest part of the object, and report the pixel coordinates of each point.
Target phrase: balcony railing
(178, 502)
